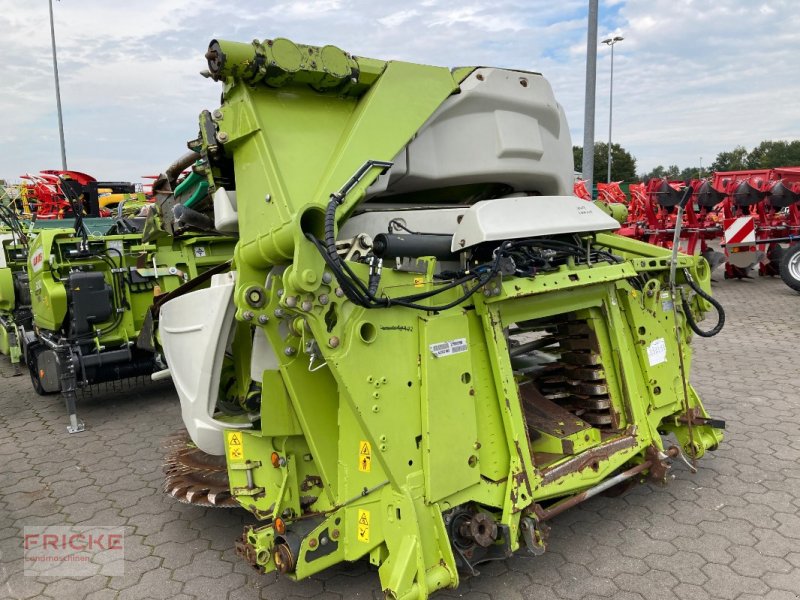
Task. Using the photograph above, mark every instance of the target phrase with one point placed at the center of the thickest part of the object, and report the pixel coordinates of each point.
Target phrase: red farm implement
(47, 195)
(44, 193)
(750, 213)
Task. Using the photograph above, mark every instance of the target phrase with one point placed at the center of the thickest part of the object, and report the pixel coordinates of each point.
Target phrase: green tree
(733, 160)
(670, 172)
(691, 173)
(657, 173)
(770, 154)
(623, 164)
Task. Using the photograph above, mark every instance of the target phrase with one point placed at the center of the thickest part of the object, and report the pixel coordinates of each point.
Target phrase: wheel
(790, 267)
(32, 361)
(774, 255)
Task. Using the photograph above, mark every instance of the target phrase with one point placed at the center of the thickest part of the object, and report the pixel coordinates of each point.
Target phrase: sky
(691, 78)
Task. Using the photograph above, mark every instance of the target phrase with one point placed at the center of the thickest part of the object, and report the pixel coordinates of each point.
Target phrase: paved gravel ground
(730, 532)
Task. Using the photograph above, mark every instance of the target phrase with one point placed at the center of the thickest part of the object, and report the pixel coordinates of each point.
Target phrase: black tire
(32, 361)
(790, 267)
(774, 255)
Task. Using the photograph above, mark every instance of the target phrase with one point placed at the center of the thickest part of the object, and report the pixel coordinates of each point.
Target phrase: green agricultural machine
(16, 235)
(433, 346)
(91, 289)
(14, 296)
(14, 301)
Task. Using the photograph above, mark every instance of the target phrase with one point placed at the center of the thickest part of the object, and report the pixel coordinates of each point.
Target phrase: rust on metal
(559, 507)
(543, 415)
(658, 464)
(587, 458)
(309, 482)
(194, 477)
(520, 479)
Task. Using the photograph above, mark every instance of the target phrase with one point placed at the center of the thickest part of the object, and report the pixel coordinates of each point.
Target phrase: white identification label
(657, 352)
(199, 252)
(448, 348)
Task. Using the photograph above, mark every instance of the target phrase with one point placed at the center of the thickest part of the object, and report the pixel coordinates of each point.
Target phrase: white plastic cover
(530, 216)
(226, 217)
(194, 332)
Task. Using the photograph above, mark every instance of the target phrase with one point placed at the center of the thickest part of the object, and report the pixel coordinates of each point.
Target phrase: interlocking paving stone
(731, 531)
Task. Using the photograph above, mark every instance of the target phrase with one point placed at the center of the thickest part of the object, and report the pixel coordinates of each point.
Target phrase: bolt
(383, 379)
(376, 395)
(462, 243)
(323, 541)
(323, 299)
(289, 351)
(335, 534)
(487, 292)
(383, 438)
(222, 137)
(312, 543)
(333, 342)
(309, 276)
(306, 306)
(339, 292)
(255, 297)
(383, 447)
(217, 114)
(263, 319)
(327, 277)
(280, 313)
(267, 198)
(291, 301)
(248, 315)
(375, 408)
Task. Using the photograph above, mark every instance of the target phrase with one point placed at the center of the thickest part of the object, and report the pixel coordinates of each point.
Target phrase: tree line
(767, 155)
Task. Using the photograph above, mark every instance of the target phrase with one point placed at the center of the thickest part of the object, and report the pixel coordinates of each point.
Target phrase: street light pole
(58, 91)
(610, 42)
(587, 167)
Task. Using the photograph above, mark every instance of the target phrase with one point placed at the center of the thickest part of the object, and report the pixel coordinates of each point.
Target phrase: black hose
(688, 311)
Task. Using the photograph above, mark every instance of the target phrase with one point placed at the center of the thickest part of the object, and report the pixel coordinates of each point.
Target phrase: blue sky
(691, 78)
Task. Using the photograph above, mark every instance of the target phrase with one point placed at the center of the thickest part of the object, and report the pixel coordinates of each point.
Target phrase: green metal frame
(368, 454)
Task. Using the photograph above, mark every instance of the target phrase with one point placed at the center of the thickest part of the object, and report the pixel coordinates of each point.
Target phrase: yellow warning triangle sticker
(235, 441)
(365, 448)
(363, 520)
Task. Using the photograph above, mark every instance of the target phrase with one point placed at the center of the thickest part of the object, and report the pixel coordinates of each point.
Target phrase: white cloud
(398, 18)
(691, 78)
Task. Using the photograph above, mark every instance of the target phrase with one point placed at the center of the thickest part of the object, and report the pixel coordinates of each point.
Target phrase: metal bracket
(533, 535)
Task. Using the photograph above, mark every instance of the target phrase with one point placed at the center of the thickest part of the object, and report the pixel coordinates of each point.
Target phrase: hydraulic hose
(688, 312)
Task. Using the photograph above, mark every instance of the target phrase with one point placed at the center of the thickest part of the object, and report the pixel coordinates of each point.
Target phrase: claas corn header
(443, 348)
